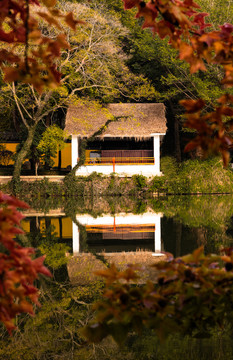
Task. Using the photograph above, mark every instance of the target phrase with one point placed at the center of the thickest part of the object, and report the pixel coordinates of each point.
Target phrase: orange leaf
(50, 19)
(191, 146)
(192, 106)
(198, 253)
(196, 65)
(69, 19)
(11, 74)
(49, 3)
(185, 51)
(225, 157)
(129, 4)
(61, 39)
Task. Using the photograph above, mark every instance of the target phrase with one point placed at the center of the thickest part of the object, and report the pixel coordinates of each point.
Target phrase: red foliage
(18, 269)
(191, 294)
(186, 28)
(36, 65)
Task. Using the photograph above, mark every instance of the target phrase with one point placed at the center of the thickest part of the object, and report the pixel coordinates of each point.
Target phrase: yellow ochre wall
(66, 226)
(65, 154)
(11, 147)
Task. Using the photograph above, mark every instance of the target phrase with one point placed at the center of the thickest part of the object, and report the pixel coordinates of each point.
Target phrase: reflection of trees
(54, 333)
(47, 242)
(205, 220)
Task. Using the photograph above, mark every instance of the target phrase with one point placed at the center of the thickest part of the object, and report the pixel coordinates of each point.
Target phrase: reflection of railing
(119, 160)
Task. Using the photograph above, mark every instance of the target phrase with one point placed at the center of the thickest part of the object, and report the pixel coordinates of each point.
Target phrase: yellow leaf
(49, 3)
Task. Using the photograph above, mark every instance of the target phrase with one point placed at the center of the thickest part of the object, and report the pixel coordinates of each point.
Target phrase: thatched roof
(127, 120)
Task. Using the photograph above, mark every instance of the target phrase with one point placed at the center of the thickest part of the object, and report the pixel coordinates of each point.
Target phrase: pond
(173, 224)
(78, 237)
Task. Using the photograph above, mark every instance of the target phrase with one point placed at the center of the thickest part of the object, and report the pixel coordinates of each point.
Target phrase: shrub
(5, 155)
(169, 166)
(140, 181)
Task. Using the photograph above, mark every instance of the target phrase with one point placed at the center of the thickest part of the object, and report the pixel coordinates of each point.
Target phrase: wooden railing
(120, 160)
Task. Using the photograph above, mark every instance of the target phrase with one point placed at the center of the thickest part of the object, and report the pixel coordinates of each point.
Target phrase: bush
(140, 181)
(194, 176)
(169, 166)
(158, 184)
(5, 155)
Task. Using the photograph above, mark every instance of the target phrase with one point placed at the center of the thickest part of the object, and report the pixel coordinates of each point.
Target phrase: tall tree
(93, 66)
(159, 62)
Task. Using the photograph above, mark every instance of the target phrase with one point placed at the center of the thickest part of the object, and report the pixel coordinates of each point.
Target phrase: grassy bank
(189, 177)
(193, 177)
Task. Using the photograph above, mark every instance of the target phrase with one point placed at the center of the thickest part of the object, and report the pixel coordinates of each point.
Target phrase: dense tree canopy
(193, 293)
(188, 290)
(94, 66)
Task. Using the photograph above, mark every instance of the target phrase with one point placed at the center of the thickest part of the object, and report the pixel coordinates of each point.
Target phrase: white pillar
(158, 234)
(157, 153)
(74, 150)
(158, 246)
(76, 242)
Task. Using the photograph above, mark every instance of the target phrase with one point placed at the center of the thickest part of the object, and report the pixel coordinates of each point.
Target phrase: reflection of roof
(128, 120)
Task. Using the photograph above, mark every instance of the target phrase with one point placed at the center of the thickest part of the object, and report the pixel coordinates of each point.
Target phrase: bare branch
(18, 106)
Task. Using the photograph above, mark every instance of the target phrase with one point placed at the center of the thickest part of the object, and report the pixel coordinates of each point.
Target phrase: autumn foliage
(18, 267)
(188, 290)
(29, 55)
(184, 24)
(190, 295)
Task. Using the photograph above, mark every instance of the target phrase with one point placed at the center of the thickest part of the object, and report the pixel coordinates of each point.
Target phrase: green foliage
(41, 189)
(5, 155)
(52, 140)
(177, 347)
(169, 166)
(140, 181)
(112, 182)
(158, 184)
(55, 254)
(159, 63)
(140, 207)
(193, 177)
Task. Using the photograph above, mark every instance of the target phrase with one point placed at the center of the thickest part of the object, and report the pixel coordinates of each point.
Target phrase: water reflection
(176, 225)
(121, 232)
(127, 232)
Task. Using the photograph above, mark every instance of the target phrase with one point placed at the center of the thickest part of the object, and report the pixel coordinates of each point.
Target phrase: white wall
(120, 219)
(128, 170)
(122, 170)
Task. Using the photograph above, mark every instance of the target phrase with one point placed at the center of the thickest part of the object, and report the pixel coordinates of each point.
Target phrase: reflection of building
(107, 233)
(122, 232)
(55, 222)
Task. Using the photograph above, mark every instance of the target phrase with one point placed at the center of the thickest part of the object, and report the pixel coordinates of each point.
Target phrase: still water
(177, 225)
(73, 234)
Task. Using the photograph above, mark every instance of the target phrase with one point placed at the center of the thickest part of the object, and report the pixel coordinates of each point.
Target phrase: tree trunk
(22, 154)
(36, 168)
